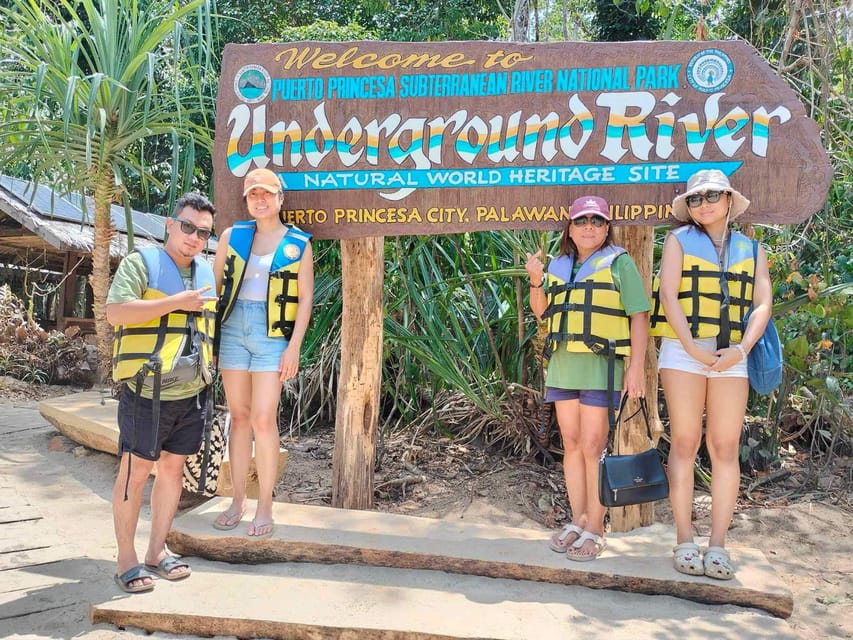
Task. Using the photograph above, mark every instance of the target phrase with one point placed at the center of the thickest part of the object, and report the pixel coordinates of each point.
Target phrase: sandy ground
(809, 544)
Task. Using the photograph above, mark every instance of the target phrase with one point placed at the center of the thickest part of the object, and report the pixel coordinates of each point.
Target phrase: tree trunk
(100, 277)
(357, 415)
(520, 21)
(631, 437)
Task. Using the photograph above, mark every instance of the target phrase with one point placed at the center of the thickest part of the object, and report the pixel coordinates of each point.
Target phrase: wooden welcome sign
(392, 138)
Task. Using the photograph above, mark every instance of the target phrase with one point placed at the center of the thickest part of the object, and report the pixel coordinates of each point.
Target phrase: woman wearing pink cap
(709, 278)
(597, 311)
(265, 278)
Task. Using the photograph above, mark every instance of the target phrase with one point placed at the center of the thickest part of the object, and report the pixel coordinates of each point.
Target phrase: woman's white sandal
(718, 564)
(558, 540)
(686, 558)
(574, 552)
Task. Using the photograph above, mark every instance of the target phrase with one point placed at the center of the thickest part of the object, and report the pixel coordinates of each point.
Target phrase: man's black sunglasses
(189, 228)
(695, 200)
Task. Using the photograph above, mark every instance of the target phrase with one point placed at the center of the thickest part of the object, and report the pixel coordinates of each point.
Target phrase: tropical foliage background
(115, 99)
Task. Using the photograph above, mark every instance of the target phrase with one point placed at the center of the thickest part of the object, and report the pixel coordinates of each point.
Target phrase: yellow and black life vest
(173, 335)
(282, 289)
(586, 312)
(700, 292)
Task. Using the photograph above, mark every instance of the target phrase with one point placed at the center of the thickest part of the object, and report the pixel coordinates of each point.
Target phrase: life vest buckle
(154, 365)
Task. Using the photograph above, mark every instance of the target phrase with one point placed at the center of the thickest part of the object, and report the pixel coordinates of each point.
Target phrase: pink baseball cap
(590, 205)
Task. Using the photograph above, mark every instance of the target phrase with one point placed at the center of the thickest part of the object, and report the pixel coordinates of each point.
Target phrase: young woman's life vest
(167, 336)
(700, 291)
(586, 313)
(282, 288)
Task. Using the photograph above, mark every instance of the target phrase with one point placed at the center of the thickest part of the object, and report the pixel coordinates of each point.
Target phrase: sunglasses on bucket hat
(711, 197)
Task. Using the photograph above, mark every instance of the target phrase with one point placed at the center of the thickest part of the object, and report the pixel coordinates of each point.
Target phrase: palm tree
(84, 85)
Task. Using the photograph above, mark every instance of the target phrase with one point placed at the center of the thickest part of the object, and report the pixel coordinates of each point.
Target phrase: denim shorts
(244, 344)
(588, 397)
(673, 356)
(180, 429)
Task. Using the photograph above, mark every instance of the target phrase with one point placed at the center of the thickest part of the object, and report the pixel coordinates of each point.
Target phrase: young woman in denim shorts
(265, 277)
(593, 297)
(708, 281)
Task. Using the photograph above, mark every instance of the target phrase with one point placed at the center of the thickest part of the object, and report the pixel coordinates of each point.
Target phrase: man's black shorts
(181, 425)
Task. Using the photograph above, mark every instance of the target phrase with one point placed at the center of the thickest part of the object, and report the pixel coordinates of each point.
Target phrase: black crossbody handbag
(635, 478)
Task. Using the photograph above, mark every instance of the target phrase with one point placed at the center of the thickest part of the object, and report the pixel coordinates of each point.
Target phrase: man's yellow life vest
(173, 335)
(282, 288)
(586, 312)
(700, 292)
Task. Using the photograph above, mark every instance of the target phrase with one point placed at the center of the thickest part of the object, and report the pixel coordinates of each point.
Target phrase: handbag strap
(642, 409)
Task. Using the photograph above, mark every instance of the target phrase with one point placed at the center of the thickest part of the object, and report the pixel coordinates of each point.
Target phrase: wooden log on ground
(639, 562)
(314, 602)
(325, 602)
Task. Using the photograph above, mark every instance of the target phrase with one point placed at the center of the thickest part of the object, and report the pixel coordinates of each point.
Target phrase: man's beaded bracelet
(537, 286)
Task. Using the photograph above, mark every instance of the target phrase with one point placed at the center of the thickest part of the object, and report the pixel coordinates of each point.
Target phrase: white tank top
(255, 278)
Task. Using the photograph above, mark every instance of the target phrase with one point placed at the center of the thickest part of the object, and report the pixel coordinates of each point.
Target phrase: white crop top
(256, 277)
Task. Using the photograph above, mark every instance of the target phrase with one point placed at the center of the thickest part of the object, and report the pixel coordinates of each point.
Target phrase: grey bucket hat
(708, 180)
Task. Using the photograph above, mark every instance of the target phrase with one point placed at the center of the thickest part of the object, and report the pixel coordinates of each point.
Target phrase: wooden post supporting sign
(631, 436)
(357, 417)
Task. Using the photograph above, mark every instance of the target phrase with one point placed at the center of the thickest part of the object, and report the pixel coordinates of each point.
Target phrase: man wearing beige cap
(265, 279)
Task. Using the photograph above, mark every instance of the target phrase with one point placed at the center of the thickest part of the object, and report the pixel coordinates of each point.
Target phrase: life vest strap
(695, 272)
(284, 299)
(741, 301)
(741, 276)
(227, 287)
(153, 331)
(693, 321)
(600, 343)
(716, 297)
(132, 356)
(574, 306)
(656, 314)
(566, 287)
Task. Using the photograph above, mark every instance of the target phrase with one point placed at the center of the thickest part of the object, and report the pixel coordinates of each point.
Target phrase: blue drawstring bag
(764, 362)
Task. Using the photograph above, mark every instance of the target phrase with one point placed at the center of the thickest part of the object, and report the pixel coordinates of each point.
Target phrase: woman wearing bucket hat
(708, 281)
(265, 278)
(597, 311)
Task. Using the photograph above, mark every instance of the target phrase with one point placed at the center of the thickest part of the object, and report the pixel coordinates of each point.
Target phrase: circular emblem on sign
(291, 251)
(252, 83)
(710, 70)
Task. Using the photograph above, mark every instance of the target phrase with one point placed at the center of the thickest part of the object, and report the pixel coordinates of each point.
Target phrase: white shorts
(673, 356)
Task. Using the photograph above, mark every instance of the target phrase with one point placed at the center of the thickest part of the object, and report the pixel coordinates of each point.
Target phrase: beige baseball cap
(263, 178)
